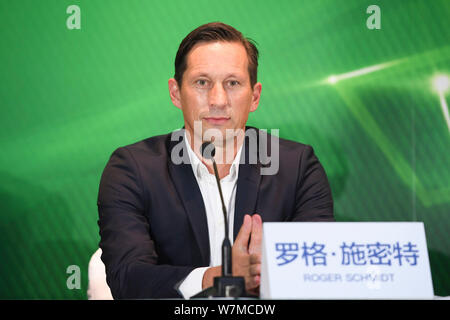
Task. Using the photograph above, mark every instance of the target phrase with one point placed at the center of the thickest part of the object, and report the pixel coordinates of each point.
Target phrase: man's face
(216, 87)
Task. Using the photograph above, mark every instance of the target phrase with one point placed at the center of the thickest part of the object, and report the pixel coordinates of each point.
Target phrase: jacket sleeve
(313, 200)
(128, 252)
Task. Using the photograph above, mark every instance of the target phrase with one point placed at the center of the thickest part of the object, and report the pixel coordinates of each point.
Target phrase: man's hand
(255, 252)
(247, 257)
(209, 275)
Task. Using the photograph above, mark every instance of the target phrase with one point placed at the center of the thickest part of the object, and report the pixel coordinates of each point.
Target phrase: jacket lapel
(189, 192)
(247, 184)
(191, 197)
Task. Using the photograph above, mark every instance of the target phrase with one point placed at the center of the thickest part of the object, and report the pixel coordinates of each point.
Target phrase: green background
(70, 97)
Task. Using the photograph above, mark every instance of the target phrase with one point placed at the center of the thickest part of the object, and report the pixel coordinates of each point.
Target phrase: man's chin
(222, 135)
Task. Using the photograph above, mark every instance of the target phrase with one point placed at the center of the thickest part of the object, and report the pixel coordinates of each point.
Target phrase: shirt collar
(201, 171)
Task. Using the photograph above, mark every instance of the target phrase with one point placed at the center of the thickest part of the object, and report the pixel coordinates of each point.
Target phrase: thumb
(256, 237)
(243, 236)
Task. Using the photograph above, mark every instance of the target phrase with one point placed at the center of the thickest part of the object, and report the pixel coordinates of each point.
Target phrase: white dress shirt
(192, 284)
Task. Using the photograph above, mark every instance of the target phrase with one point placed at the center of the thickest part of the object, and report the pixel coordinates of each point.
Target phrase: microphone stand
(225, 285)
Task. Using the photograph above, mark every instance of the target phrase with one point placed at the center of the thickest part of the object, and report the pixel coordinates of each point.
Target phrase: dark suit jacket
(152, 218)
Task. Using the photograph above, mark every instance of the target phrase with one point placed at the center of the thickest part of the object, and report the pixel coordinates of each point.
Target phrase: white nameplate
(345, 260)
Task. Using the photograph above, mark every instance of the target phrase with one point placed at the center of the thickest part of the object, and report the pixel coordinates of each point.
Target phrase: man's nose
(217, 96)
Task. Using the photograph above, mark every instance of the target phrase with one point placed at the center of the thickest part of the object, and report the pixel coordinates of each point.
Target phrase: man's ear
(175, 92)
(256, 96)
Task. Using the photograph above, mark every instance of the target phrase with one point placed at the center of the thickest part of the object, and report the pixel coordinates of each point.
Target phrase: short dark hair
(211, 32)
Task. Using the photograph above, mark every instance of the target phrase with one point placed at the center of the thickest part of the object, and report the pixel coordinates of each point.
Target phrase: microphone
(208, 151)
(226, 285)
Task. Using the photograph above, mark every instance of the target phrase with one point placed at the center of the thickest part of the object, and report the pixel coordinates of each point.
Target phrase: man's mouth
(216, 120)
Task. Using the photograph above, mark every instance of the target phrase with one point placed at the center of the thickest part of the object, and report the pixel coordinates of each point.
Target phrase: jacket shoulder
(291, 145)
(155, 146)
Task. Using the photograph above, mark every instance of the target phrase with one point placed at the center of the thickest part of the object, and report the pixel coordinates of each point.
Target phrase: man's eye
(201, 82)
(234, 83)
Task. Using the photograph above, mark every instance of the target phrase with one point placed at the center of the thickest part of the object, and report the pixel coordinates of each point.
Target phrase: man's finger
(255, 258)
(254, 292)
(256, 238)
(243, 236)
(253, 282)
(255, 270)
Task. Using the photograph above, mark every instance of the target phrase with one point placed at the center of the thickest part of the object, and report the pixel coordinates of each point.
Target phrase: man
(160, 219)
